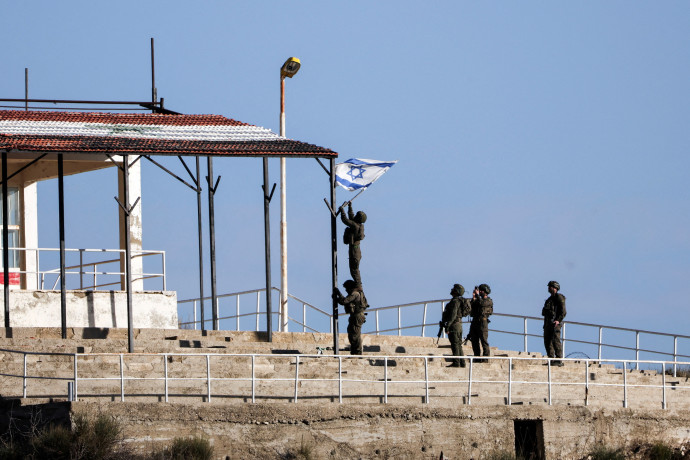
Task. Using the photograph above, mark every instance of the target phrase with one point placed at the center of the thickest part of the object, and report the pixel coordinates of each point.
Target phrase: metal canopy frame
(126, 207)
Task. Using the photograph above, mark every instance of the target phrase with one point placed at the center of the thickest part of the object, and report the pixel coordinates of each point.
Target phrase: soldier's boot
(462, 363)
(454, 364)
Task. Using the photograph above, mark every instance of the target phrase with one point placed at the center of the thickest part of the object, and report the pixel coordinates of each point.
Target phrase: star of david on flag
(358, 173)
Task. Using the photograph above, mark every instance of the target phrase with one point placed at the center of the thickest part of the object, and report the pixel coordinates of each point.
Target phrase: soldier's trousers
(355, 255)
(479, 330)
(552, 340)
(354, 332)
(455, 337)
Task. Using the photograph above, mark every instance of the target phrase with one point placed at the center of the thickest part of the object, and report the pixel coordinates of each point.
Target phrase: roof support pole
(267, 245)
(201, 245)
(128, 248)
(212, 238)
(61, 219)
(334, 256)
(5, 240)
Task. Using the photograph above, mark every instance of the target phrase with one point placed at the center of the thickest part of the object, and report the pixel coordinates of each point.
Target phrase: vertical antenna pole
(26, 89)
(154, 92)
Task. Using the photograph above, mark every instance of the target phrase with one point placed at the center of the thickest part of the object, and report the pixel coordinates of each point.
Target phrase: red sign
(14, 279)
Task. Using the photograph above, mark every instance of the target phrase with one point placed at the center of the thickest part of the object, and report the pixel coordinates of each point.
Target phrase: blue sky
(536, 141)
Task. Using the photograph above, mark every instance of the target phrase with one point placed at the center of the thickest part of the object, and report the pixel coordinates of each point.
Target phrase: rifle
(440, 331)
(467, 338)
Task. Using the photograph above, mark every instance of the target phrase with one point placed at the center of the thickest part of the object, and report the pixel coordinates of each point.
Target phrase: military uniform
(554, 310)
(355, 304)
(452, 321)
(354, 233)
(482, 308)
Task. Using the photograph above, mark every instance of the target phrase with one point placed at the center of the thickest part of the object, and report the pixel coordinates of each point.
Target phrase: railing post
(563, 339)
(426, 375)
(601, 331)
(637, 350)
(663, 385)
(385, 380)
(122, 378)
(586, 382)
(424, 321)
(625, 385)
(296, 376)
(469, 382)
(165, 367)
(24, 380)
(81, 269)
(95, 276)
(510, 381)
(377, 322)
(208, 377)
(304, 317)
(524, 332)
(258, 307)
(163, 262)
(549, 371)
(340, 379)
(399, 322)
(76, 380)
(237, 311)
(675, 355)
(253, 380)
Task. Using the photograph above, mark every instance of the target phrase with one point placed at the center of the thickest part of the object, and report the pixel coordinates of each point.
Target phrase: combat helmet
(458, 290)
(554, 284)
(485, 288)
(350, 284)
(360, 217)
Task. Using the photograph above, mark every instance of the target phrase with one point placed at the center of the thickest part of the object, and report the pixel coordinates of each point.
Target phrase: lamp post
(289, 69)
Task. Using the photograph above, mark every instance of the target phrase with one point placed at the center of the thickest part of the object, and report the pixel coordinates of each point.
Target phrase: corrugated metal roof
(149, 134)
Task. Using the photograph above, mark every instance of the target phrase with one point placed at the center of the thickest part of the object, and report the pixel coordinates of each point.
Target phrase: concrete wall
(380, 431)
(92, 309)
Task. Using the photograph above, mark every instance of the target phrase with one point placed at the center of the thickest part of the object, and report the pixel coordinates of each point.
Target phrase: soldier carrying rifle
(452, 322)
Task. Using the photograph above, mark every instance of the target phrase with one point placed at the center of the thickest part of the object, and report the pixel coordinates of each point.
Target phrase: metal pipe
(154, 95)
(334, 257)
(5, 240)
(201, 244)
(26, 89)
(128, 253)
(267, 251)
(61, 217)
(283, 221)
(212, 238)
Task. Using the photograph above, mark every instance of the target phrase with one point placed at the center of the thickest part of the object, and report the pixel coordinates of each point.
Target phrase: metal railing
(257, 313)
(513, 331)
(85, 274)
(383, 385)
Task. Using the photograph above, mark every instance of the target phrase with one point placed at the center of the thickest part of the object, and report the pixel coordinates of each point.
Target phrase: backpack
(466, 307)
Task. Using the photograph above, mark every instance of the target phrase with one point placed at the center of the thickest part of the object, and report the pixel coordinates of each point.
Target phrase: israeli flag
(358, 173)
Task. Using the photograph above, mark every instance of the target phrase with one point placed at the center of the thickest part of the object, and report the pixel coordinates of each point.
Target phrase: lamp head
(290, 68)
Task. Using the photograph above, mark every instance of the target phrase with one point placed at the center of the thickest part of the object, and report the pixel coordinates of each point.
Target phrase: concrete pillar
(28, 209)
(135, 226)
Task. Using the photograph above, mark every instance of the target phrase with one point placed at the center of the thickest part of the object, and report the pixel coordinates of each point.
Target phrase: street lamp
(289, 69)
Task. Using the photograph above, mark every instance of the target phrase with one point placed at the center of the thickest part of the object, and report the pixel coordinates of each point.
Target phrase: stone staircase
(393, 370)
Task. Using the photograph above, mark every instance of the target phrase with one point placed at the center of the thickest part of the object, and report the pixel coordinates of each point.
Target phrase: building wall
(92, 309)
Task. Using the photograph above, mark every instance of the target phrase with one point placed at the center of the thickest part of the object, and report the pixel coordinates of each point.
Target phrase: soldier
(452, 322)
(482, 307)
(354, 233)
(553, 313)
(355, 303)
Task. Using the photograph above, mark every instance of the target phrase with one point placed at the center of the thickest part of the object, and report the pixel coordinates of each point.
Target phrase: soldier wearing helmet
(355, 303)
(481, 308)
(452, 322)
(553, 313)
(354, 233)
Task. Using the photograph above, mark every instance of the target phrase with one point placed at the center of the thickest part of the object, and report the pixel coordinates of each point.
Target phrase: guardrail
(84, 274)
(383, 385)
(585, 340)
